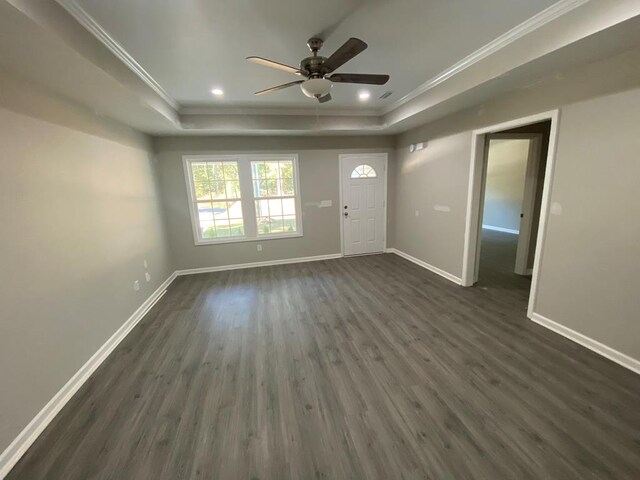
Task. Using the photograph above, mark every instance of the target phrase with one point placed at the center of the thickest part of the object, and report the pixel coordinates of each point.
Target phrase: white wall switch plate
(136, 285)
(147, 276)
(259, 247)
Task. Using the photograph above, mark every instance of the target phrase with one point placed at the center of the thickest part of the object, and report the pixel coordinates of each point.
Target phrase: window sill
(242, 240)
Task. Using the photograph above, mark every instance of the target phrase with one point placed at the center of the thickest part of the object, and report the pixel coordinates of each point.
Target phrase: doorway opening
(510, 180)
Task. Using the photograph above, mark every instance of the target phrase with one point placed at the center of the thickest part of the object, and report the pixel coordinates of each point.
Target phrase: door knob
(346, 214)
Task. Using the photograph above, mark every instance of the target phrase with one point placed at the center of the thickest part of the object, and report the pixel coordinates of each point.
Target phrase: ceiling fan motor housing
(313, 66)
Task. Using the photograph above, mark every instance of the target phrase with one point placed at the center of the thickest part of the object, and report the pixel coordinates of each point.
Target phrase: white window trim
(248, 202)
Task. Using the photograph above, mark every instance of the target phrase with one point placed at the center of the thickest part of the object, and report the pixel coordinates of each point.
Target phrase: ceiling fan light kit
(319, 70)
(316, 87)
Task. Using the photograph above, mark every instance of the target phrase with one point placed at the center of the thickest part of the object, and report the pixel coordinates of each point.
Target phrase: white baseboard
(600, 348)
(191, 271)
(30, 433)
(500, 229)
(419, 262)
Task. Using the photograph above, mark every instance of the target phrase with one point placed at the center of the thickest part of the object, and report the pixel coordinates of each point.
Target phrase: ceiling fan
(319, 70)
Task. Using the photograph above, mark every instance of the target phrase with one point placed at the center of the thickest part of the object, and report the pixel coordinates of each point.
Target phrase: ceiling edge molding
(253, 110)
(539, 20)
(118, 50)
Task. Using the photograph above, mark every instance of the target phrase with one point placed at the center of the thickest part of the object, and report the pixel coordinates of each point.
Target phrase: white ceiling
(190, 46)
(151, 63)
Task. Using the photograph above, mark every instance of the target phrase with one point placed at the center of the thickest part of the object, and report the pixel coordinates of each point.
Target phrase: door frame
(385, 158)
(475, 190)
(528, 196)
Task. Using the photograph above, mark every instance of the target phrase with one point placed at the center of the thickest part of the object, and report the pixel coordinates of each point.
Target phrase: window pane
(217, 173)
(286, 185)
(237, 230)
(231, 171)
(286, 169)
(288, 206)
(259, 170)
(259, 188)
(276, 224)
(262, 208)
(263, 225)
(222, 231)
(218, 190)
(275, 207)
(205, 211)
(290, 224)
(199, 172)
(219, 182)
(233, 189)
(202, 191)
(208, 232)
(363, 171)
(272, 188)
(219, 209)
(235, 209)
(272, 170)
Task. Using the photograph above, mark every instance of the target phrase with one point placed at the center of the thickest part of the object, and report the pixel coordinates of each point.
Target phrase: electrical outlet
(147, 276)
(136, 285)
(259, 247)
(146, 265)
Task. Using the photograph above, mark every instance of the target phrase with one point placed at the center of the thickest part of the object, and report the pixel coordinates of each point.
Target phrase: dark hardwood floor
(497, 265)
(358, 368)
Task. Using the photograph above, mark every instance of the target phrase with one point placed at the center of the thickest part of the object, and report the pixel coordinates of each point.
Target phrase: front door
(363, 203)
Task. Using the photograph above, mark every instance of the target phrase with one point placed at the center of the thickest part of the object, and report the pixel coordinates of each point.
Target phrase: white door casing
(363, 203)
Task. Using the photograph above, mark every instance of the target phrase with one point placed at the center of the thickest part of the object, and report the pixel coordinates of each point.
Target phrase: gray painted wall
(80, 213)
(319, 170)
(504, 192)
(596, 241)
(591, 257)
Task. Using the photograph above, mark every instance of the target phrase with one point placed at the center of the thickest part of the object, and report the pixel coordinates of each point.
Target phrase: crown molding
(533, 23)
(188, 112)
(118, 50)
(253, 110)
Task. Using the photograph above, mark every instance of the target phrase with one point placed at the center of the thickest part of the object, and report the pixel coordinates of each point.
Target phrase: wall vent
(386, 94)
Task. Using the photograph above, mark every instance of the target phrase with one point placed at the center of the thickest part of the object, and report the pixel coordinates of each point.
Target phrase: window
(240, 198)
(217, 199)
(364, 171)
(274, 191)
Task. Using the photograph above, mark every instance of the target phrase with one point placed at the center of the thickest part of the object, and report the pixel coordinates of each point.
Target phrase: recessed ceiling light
(364, 95)
(217, 92)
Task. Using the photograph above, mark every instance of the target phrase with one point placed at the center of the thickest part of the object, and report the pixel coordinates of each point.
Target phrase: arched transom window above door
(364, 171)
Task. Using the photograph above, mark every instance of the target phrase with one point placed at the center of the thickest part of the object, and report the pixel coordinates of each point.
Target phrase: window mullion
(248, 202)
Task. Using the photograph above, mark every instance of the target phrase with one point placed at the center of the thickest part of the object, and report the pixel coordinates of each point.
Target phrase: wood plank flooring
(357, 368)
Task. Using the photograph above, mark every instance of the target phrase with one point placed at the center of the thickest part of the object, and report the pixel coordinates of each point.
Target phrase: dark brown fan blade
(359, 78)
(346, 52)
(279, 87)
(270, 63)
(325, 99)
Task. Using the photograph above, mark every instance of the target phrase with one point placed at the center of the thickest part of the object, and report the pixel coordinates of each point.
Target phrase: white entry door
(363, 203)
